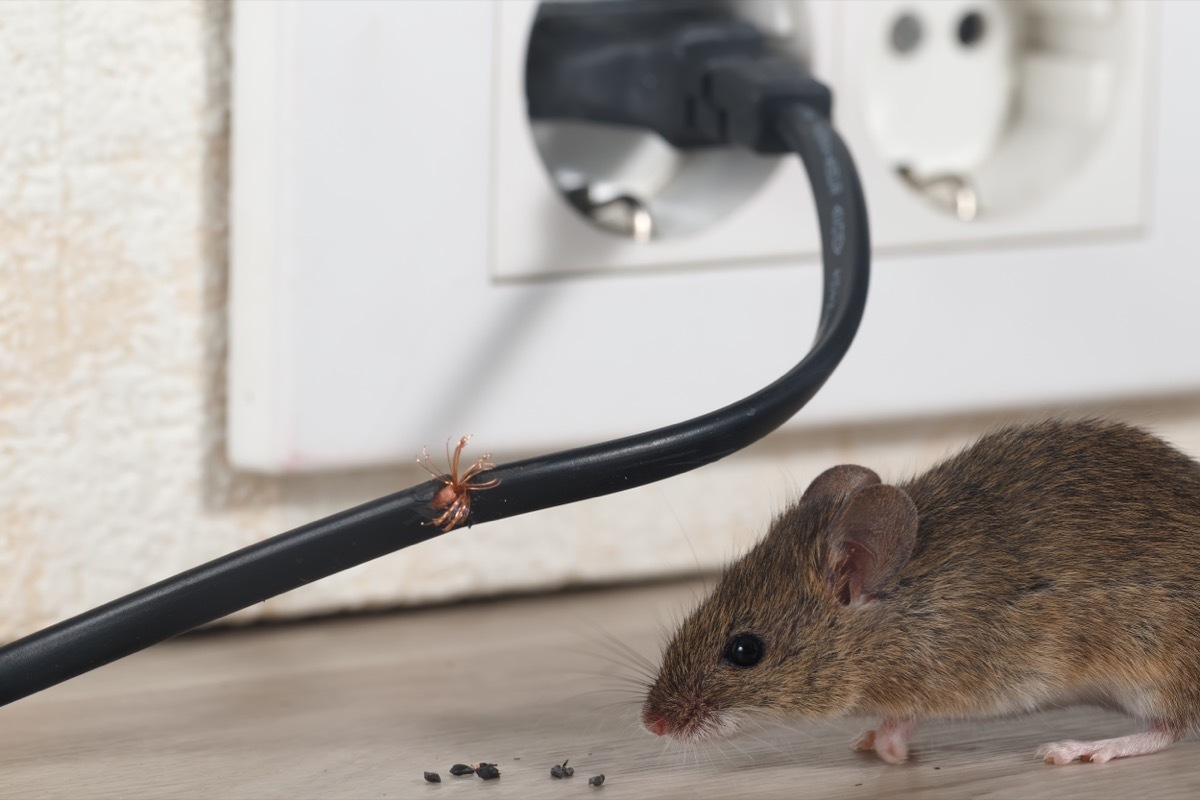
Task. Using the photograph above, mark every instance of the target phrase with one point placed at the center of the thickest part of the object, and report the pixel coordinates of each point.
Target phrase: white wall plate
(537, 234)
(1057, 147)
(378, 160)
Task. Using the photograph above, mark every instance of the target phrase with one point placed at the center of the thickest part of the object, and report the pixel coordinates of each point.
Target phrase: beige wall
(113, 176)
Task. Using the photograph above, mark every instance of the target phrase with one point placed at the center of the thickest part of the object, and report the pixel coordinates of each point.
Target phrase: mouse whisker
(627, 661)
(634, 678)
(632, 656)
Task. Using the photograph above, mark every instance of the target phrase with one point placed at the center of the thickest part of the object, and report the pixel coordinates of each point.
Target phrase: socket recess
(1024, 119)
(392, 226)
(705, 207)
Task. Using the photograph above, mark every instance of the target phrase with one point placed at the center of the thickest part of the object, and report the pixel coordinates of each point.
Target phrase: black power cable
(754, 100)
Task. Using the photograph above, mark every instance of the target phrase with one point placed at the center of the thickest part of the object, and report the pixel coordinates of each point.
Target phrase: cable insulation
(293, 559)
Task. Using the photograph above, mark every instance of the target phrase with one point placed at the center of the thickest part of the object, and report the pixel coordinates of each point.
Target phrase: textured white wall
(113, 177)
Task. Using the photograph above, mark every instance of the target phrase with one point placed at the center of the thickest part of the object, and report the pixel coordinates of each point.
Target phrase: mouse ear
(838, 484)
(872, 538)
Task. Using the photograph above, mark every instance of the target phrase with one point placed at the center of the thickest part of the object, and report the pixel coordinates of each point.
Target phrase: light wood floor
(360, 708)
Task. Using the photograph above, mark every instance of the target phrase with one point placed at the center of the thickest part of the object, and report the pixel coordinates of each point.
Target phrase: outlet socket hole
(633, 184)
(906, 33)
(971, 29)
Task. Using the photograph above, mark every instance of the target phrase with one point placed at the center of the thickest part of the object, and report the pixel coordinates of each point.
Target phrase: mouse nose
(658, 727)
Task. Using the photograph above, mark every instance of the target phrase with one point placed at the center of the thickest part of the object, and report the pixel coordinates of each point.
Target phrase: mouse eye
(744, 650)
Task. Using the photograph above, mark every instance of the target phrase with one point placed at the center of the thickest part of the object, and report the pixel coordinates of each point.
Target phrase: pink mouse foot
(889, 740)
(865, 742)
(1159, 737)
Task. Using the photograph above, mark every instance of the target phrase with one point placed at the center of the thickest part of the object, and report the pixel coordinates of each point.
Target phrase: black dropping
(562, 770)
(433, 777)
(744, 650)
(462, 769)
(598, 780)
(487, 771)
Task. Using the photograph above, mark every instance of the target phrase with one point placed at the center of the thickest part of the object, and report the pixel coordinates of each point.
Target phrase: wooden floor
(361, 708)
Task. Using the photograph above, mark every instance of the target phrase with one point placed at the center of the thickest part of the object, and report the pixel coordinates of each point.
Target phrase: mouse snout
(690, 725)
(660, 721)
(686, 722)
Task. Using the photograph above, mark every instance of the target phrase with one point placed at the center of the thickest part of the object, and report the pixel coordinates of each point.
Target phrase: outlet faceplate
(387, 196)
(1043, 118)
(1042, 113)
(752, 207)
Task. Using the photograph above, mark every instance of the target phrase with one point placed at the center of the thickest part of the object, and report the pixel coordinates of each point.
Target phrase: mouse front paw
(889, 740)
(865, 742)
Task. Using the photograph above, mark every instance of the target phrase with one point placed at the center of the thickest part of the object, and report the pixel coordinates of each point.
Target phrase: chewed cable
(355, 536)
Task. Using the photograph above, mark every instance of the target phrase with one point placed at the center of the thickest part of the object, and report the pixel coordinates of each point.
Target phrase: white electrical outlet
(1028, 119)
(405, 267)
(708, 207)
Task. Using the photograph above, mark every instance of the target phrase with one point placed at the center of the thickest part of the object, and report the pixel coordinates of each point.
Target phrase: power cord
(698, 78)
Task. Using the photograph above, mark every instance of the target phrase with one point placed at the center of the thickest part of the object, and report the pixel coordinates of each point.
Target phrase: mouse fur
(1047, 564)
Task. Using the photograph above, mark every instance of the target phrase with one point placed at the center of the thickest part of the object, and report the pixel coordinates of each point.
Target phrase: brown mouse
(1045, 565)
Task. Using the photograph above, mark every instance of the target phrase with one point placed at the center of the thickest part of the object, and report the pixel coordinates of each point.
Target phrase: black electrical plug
(685, 69)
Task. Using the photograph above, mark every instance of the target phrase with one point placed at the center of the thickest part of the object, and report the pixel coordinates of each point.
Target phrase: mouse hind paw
(1160, 736)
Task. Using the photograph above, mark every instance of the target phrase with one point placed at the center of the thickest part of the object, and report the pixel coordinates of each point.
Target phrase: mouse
(1048, 564)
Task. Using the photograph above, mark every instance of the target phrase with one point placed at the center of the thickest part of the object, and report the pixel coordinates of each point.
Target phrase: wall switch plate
(393, 228)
